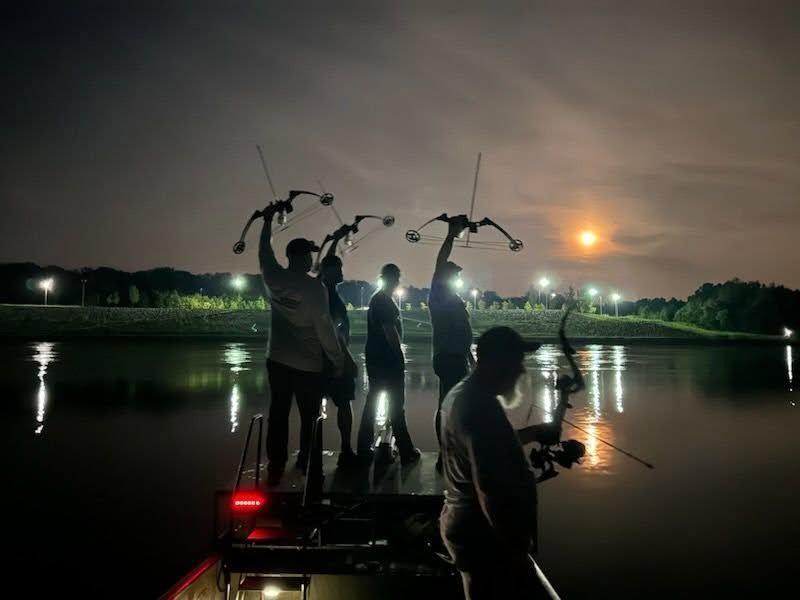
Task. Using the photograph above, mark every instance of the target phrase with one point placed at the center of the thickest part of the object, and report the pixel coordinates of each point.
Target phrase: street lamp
(544, 282)
(616, 298)
(238, 283)
(475, 297)
(47, 286)
(592, 293)
(400, 292)
(458, 282)
(787, 333)
(83, 292)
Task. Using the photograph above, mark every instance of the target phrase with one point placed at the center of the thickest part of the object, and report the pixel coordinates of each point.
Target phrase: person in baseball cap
(303, 346)
(452, 333)
(299, 252)
(488, 522)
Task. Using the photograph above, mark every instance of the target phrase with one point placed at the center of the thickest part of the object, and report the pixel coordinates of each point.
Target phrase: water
(117, 447)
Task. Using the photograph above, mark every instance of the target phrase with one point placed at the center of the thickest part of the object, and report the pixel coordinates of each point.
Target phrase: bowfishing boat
(361, 534)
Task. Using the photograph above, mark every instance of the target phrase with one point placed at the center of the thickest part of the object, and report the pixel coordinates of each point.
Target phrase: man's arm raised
(266, 255)
(455, 226)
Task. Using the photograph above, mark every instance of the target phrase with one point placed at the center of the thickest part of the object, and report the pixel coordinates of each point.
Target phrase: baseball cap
(300, 246)
(503, 343)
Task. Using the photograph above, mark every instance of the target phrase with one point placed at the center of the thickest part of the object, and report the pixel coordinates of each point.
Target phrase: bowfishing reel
(565, 454)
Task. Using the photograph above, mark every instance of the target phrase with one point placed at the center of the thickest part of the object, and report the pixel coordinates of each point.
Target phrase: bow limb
(514, 244)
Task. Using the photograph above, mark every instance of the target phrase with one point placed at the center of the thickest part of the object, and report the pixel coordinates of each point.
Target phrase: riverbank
(68, 322)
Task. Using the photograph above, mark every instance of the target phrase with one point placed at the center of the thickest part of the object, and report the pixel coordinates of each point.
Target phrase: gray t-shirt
(452, 332)
(490, 484)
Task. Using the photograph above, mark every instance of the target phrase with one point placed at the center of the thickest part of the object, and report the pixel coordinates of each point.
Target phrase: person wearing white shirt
(302, 344)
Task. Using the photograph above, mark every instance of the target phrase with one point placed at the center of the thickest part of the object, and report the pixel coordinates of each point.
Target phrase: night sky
(670, 129)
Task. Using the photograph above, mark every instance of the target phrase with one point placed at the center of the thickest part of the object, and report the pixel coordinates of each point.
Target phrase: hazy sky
(127, 135)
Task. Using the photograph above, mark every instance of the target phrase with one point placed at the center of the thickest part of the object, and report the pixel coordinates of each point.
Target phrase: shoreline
(28, 323)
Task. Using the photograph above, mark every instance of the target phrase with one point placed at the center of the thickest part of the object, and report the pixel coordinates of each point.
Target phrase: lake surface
(116, 447)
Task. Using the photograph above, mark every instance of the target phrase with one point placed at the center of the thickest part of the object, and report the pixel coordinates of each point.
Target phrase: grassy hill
(38, 322)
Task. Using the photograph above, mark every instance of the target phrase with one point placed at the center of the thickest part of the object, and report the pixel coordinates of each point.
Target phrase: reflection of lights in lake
(45, 354)
(236, 356)
(619, 366)
(234, 407)
(594, 384)
(789, 367)
(548, 404)
(381, 409)
(591, 444)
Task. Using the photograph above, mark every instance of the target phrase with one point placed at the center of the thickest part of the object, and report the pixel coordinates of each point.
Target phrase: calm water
(116, 448)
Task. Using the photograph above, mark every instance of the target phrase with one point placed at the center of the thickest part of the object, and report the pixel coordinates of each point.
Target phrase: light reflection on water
(90, 394)
(236, 357)
(44, 354)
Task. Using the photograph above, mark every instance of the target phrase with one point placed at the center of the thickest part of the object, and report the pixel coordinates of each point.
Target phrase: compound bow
(283, 208)
(347, 231)
(514, 244)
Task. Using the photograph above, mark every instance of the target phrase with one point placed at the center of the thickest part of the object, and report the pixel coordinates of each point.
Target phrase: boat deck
(419, 479)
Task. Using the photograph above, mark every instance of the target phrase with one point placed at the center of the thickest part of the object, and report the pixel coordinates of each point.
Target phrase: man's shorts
(340, 390)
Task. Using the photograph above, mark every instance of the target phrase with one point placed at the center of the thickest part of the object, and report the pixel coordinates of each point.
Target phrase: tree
(133, 295)
(113, 298)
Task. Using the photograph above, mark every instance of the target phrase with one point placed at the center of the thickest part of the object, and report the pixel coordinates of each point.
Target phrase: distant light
(239, 282)
(588, 238)
(787, 333)
(474, 293)
(592, 292)
(272, 591)
(458, 282)
(46, 284)
(616, 297)
(553, 295)
(400, 292)
(544, 282)
(379, 283)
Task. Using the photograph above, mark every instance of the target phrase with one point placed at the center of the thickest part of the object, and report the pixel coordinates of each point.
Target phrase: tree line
(732, 306)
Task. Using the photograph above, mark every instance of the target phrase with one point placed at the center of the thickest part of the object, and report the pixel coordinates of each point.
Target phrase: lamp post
(616, 297)
(47, 286)
(400, 292)
(238, 283)
(592, 294)
(475, 298)
(83, 292)
(544, 282)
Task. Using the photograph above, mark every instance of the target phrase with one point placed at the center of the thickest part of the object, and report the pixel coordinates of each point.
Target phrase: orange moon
(588, 238)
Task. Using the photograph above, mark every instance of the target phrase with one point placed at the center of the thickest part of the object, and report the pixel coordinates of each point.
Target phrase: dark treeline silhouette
(748, 306)
(731, 306)
(156, 288)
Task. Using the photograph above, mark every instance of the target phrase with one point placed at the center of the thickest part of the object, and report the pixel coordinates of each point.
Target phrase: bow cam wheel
(413, 236)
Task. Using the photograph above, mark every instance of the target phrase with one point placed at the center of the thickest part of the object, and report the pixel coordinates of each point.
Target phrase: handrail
(260, 418)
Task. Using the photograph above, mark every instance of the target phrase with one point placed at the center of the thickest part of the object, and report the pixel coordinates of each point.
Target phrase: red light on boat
(247, 501)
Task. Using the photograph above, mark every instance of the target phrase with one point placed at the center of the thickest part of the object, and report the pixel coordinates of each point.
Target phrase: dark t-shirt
(382, 310)
(452, 333)
(339, 315)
